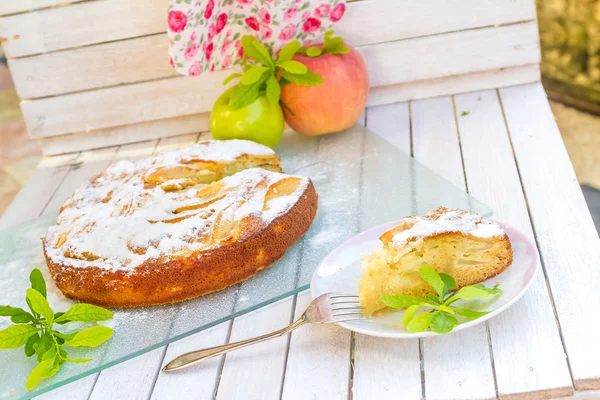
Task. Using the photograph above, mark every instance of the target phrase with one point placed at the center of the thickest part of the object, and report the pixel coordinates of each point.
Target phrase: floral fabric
(206, 35)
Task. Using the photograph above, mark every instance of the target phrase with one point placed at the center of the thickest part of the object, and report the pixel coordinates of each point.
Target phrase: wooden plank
(366, 22)
(143, 370)
(88, 164)
(436, 145)
(453, 54)
(18, 6)
(108, 64)
(318, 360)
(145, 58)
(566, 236)
(401, 376)
(197, 382)
(78, 390)
(528, 355)
(80, 24)
(150, 130)
(33, 196)
(245, 371)
(454, 84)
(380, 95)
(370, 21)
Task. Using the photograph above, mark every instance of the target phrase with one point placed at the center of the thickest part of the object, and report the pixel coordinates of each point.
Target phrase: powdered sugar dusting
(445, 220)
(116, 221)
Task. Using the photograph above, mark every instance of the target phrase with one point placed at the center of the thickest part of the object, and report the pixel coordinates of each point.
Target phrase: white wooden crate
(95, 73)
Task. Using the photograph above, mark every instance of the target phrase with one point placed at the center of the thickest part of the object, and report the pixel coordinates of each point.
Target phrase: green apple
(259, 121)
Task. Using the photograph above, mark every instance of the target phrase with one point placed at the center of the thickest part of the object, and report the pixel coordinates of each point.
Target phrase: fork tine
(346, 308)
(344, 302)
(348, 313)
(344, 319)
(340, 295)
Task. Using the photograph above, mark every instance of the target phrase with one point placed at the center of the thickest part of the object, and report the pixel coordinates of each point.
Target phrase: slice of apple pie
(466, 246)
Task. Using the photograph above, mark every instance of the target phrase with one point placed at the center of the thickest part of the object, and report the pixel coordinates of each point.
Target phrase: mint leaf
(420, 323)
(469, 314)
(442, 322)
(493, 290)
(90, 337)
(231, 77)
(253, 74)
(58, 315)
(432, 278)
(399, 301)
(39, 304)
(409, 314)
(243, 95)
(18, 315)
(273, 91)
(78, 360)
(328, 35)
(29, 350)
(446, 309)
(307, 79)
(42, 346)
(449, 284)
(433, 299)
(339, 50)
(37, 281)
(43, 370)
(332, 43)
(85, 313)
(50, 353)
(288, 51)
(314, 51)
(254, 49)
(477, 291)
(464, 113)
(16, 336)
(294, 67)
(64, 336)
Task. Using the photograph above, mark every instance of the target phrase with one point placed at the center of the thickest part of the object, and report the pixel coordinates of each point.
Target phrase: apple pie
(178, 225)
(465, 246)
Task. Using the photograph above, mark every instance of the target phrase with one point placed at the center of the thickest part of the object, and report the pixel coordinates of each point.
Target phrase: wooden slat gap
(288, 344)
(536, 239)
(487, 325)
(515, 22)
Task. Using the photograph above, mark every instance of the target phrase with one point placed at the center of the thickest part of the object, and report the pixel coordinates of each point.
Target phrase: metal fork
(327, 308)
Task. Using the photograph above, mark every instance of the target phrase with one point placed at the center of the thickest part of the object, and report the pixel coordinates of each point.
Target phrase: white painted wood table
(508, 153)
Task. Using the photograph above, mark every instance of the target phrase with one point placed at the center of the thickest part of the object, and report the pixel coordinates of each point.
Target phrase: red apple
(336, 104)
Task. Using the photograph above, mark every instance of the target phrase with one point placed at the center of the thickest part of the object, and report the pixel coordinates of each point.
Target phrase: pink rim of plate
(515, 237)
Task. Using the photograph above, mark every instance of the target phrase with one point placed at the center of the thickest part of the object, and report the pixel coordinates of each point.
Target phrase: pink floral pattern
(204, 35)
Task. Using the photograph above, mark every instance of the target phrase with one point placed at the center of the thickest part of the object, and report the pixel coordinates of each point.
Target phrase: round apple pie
(178, 225)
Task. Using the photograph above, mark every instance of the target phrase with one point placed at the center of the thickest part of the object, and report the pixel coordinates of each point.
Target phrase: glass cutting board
(362, 181)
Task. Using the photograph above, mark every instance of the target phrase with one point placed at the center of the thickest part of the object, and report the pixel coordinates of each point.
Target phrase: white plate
(340, 271)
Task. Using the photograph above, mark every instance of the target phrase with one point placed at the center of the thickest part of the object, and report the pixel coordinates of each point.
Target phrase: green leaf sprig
(35, 330)
(440, 315)
(331, 45)
(266, 75)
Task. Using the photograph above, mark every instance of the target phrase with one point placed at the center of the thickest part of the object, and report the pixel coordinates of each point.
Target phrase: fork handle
(196, 356)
